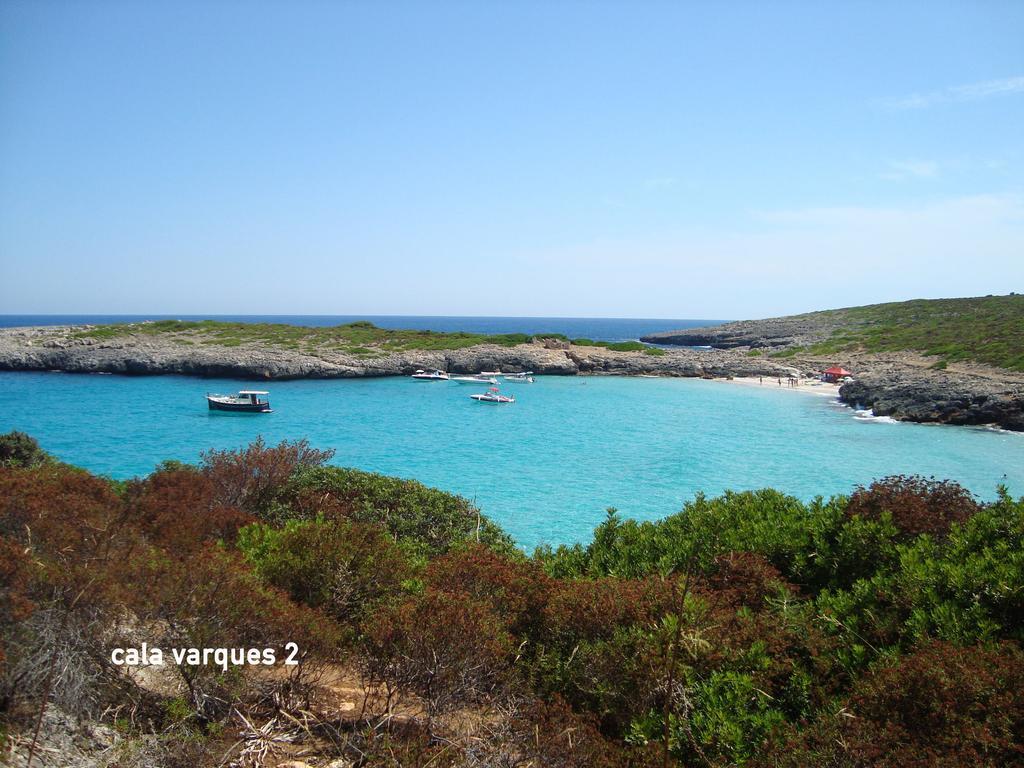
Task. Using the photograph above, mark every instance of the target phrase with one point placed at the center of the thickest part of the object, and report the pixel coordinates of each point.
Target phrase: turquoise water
(546, 467)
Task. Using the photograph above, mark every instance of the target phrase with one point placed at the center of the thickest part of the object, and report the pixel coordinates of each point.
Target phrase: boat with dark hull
(246, 401)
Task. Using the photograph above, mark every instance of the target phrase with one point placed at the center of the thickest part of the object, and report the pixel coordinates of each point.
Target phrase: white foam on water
(867, 415)
(996, 428)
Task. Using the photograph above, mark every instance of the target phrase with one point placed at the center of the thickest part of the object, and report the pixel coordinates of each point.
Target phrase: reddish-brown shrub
(73, 524)
(247, 478)
(15, 604)
(70, 527)
(515, 590)
(589, 609)
(211, 600)
(449, 649)
(551, 734)
(64, 511)
(917, 505)
(177, 510)
(940, 706)
(743, 578)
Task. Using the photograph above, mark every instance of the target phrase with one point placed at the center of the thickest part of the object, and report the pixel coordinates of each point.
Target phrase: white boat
(495, 374)
(526, 377)
(477, 378)
(430, 376)
(492, 395)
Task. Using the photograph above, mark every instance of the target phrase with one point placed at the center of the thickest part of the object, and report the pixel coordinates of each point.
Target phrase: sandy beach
(807, 386)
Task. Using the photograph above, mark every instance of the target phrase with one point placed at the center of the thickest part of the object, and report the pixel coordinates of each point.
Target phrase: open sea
(596, 328)
(545, 467)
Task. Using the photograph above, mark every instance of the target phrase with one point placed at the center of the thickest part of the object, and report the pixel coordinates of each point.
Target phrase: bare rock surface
(921, 395)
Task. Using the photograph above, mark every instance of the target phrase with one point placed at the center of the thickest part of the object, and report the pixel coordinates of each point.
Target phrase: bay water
(546, 467)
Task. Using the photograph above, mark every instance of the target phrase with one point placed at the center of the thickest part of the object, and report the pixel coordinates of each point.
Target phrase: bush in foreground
(751, 628)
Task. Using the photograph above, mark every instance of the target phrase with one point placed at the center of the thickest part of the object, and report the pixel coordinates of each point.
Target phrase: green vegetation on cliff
(620, 346)
(358, 338)
(749, 629)
(988, 329)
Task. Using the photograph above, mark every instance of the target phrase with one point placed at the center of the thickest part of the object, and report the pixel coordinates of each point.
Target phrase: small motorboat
(430, 376)
(493, 374)
(492, 395)
(476, 378)
(246, 401)
(524, 378)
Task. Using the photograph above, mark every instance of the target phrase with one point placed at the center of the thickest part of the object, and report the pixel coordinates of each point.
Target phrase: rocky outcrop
(773, 333)
(60, 349)
(925, 396)
(903, 385)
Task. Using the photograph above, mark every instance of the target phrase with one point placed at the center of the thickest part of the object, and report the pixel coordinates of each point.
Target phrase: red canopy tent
(835, 373)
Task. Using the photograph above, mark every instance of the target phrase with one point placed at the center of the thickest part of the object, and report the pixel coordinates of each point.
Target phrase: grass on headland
(987, 329)
(359, 338)
(621, 346)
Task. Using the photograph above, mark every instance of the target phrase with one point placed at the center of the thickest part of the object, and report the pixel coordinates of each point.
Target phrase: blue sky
(695, 159)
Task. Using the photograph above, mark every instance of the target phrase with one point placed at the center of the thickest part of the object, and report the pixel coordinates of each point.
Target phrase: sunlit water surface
(546, 467)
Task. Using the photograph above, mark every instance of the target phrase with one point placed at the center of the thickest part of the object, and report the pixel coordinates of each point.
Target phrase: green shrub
(766, 522)
(626, 346)
(731, 719)
(346, 569)
(426, 521)
(20, 450)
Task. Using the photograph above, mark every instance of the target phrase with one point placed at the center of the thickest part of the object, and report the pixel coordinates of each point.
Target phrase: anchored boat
(476, 378)
(492, 395)
(246, 401)
(430, 376)
(525, 378)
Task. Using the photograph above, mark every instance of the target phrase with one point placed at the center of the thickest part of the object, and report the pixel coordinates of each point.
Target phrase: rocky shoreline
(60, 349)
(924, 396)
(901, 386)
